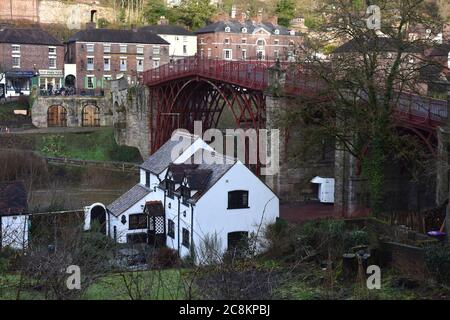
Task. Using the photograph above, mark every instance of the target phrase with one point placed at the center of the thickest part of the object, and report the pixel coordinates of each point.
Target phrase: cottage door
(156, 223)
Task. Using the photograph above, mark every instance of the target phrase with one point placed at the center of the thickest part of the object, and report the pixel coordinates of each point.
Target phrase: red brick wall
(32, 57)
(216, 42)
(77, 53)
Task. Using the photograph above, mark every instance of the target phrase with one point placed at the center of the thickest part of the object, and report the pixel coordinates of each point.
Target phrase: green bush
(355, 238)
(437, 259)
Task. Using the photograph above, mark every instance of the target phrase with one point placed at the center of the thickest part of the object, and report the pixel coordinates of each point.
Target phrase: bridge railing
(412, 105)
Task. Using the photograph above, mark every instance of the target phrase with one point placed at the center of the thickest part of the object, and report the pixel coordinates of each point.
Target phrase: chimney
(163, 21)
(233, 12)
(91, 24)
(273, 20)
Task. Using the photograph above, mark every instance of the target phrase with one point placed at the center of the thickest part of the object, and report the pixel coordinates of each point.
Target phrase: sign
(20, 74)
(50, 73)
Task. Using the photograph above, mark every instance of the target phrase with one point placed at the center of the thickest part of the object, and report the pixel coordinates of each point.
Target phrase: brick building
(105, 54)
(241, 39)
(30, 56)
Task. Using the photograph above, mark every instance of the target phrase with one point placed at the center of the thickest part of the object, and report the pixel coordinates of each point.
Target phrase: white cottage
(181, 203)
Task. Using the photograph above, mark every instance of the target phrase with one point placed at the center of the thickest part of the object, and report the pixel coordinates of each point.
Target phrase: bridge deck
(411, 108)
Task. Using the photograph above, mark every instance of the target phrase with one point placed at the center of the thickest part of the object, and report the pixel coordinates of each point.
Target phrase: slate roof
(13, 198)
(236, 27)
(35, 36)
(117, 36)
(162, 158)
(382, 44)
(204, 176)
(168, 29)
(127, 200)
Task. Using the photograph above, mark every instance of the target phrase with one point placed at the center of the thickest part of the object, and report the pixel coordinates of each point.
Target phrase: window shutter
(85, 82)
(94, 82)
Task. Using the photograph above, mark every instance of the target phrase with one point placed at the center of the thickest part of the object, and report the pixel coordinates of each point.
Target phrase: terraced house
(29, 56)
(239, 38)
(105, 54)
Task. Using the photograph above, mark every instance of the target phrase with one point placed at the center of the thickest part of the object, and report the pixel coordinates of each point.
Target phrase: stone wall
(131, 116)
(73, 15)
(74, 107)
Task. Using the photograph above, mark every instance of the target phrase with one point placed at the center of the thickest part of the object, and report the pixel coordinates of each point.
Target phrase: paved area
(300, 212)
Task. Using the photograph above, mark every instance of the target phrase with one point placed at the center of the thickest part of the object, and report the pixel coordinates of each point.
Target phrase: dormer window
(244, 30)
(292, 32)
(227, 29)
(277, 31)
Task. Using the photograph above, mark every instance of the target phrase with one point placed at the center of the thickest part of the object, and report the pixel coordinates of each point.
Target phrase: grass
(148, 285)
(98, 145)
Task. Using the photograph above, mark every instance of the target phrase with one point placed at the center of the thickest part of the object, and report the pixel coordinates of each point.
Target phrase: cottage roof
(13, 198)
(128, 199)
(117, 36)
(154, 208)
(162, 158)
(375, 43)
(167, 29)
(35, 36)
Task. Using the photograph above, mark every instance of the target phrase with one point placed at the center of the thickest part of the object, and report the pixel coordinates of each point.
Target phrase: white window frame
(277, 31)
(106, 48)
(92, 82)
(230, 53)
(227, 29)
(244, 54)
(13, 46)
(90, 67)
(109, 64)
(185, 50)
(244, 40)
(49, 64)
(140, 68)
(226, 41)
(17, 57)
(123, 48)
(154, 63)
(276, 42)
(139, 49)
(53, 52)
(90, 45)
(244, 30)
(120, 64)
(156, 50)
(209, 53)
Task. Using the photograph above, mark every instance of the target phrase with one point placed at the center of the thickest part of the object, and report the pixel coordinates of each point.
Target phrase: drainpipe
(178, 236)
(192, 232)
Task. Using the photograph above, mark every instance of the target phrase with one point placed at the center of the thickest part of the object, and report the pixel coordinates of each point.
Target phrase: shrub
(437, 259)
(164, 258)
(355, 238)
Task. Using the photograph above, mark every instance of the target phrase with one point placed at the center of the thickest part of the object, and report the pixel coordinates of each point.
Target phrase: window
(260, 42)
(276, 41)
(185, 241)
(227, 41)
(184, 49)
(244, 30)
(51, 50)
(244, 40)
(227, 29)
(276, 53)
(106, 48)
(140, 65)
(106, 63)
(155, 63)
(202, 52)
(140, 50)
(123, 64)
(90, 48)
(227, 54)
(171, 228)
(277, 31)
(90, 63)
(202, 41)
(123, 48)
(292, 32)
(237, 199)
(238, 241)
(137, 221)
(170, 186)
(90, 82)
(291, 42)
(156, 50)
(185, 39)
(209, 52)
(16, 61)
(147, 179)
(244, 54)
(52, 62)
(15, 48)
